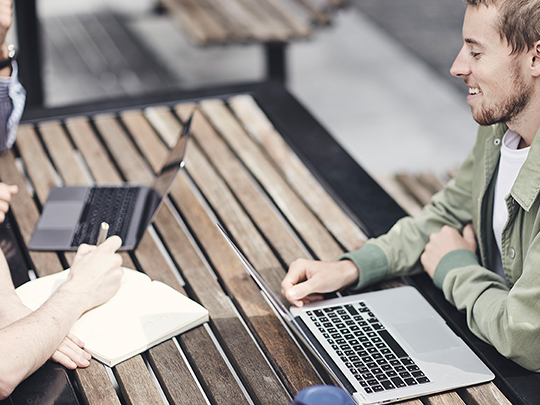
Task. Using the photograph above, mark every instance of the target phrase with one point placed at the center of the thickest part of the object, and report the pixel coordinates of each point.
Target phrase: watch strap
(12, 55)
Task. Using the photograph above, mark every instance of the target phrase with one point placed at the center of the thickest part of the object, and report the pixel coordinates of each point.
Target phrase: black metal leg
(29, 57)
(276, 61)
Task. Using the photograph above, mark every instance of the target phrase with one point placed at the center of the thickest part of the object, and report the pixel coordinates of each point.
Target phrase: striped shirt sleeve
(12, 100)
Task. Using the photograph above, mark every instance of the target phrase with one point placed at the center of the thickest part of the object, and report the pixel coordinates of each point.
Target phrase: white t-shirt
(510, 164)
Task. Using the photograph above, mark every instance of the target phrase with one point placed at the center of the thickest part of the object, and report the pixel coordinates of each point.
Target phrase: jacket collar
(527, 185)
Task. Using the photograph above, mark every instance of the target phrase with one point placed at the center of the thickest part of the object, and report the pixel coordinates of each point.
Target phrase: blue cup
(322, 395)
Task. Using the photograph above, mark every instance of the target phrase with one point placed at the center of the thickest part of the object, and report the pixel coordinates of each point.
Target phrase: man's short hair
(519, 21)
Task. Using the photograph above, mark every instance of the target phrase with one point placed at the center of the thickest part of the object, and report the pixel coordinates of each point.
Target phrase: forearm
(506, 319)
(26, 344)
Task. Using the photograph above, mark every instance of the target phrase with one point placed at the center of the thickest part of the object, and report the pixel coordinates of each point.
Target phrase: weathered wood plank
(483, 394)
(62, 153)
(245, 189)
(296, 173)
(221, 384)
(38, 166)
(96, 386)
(136, 383)
(126, 156)
(252, 367)
(197, 20)
(292, 367)
(447, 398)
(94, 153)
(298, 214)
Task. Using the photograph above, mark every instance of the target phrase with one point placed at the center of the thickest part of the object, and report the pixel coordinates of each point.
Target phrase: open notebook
(141, 315)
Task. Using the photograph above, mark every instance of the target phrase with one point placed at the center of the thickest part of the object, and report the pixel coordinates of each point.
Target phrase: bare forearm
(26, 344)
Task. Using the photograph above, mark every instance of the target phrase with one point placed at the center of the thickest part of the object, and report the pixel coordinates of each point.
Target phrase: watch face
(11, 51)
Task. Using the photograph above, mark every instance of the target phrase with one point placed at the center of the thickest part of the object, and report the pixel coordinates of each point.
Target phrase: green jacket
(506, 316)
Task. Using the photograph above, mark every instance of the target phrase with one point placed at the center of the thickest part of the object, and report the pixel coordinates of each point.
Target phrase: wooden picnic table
(252, 166)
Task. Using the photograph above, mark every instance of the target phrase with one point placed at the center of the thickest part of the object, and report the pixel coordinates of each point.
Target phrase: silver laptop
(73, 215)
(381, 346)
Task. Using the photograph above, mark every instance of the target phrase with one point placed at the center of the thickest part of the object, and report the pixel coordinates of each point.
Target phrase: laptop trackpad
(426, 335)
(61, 215)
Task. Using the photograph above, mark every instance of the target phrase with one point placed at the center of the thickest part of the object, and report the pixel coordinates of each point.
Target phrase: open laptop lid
(285, 314)
(165, 179)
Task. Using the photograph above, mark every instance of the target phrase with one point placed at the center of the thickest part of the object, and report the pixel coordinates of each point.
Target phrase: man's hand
(6, 18)
(95, 274)
(307, 280)
(445, 241)
(6, 192)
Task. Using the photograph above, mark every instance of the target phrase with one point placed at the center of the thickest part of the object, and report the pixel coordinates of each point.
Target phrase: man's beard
(510, 109)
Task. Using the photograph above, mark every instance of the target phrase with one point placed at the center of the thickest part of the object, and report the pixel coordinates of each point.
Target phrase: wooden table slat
(130, 162)
(218, 377)
(300, 216)
(62, 153)
(296, 173)
(94, 153)
(252, 367)
(41, 172)
(260, 209)
(136, 383)
(203, 27)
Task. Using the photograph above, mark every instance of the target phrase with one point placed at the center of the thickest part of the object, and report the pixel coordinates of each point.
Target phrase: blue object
(322, 395)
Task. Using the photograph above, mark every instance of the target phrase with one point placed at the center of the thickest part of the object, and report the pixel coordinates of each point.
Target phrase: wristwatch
(12, 55)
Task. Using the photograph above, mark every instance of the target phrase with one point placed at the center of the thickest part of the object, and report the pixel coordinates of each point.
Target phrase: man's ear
(535, 65)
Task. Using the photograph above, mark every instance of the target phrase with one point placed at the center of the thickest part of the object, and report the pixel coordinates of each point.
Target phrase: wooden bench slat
(146, 138)
(297, 373)
(252, 367)
(130, 162)
(261, 210)
(136, 383)
(447, 398)
(176, 379)
(294, 209)
(415, 188)
(62, 153)
(149, 258)
(483, 394)
(94, 153)
(296, 173)
(40, 170)
(198, 21)
(96, 386)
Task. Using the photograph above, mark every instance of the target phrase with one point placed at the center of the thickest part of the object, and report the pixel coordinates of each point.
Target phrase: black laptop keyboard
(113, 205)
(366, 348)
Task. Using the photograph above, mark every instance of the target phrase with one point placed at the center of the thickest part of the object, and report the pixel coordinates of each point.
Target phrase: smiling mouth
(474, 91)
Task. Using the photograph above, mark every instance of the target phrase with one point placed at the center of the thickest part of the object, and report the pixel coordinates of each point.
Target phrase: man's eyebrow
(471, 41)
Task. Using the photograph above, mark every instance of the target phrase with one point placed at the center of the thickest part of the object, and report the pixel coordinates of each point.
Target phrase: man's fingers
(468, 234)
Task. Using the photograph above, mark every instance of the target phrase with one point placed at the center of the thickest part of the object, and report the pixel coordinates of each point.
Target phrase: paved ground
(377, 79)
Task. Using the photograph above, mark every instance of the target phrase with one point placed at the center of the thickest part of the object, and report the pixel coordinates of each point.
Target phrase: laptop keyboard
(366, 348)
(113, 205)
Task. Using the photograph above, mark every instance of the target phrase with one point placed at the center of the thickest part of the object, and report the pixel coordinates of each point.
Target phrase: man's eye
(475, 54)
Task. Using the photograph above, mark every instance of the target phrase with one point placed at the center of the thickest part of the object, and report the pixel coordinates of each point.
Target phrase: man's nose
(461, 67)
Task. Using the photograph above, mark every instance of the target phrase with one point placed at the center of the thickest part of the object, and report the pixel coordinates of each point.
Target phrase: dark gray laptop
(73, 215)
(381, 346)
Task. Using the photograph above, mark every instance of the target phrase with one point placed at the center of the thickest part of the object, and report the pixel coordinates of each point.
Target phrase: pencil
(103, 230)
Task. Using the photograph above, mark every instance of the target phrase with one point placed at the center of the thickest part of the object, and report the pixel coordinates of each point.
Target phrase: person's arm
(27, 343)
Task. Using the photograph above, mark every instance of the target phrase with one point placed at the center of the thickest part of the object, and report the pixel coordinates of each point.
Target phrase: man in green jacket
(479, 238)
